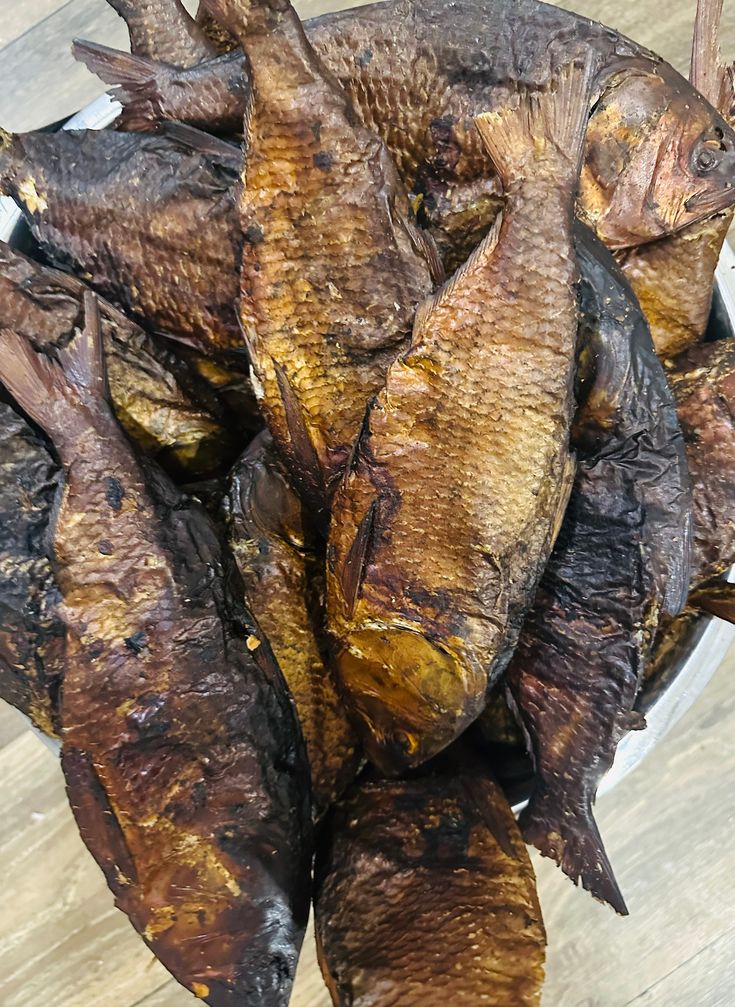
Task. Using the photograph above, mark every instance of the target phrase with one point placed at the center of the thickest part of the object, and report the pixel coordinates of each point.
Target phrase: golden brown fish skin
(164, 30)
(463, 456)
(333, 266)
(703, 382)
(154, 234)
(157, 399)
(282, 571)
(151, 92)
(32, 635)
(470, 56)
(426, 896)
(182, 754)
(674, 279)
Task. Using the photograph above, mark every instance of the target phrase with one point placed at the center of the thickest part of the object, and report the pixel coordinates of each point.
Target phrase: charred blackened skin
(32, 635)
(164, 30)
(281, 562)
(467, 58)
(163, 406)
(622, 557)
(155, 234)
(464, 455)
(330, 288)
(425, 895)
(703, 383)
(183, 758)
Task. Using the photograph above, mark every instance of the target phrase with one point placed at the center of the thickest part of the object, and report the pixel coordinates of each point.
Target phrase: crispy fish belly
(183, 758)
(622, 557)
(333, 267)
(32, 635)
(674, 278)
(152, 92)
(283, 576)
(148, 221)
(446, 517)
(703, 383)
(425, 896)
(164, 30)
(643, 176)
(156, 398)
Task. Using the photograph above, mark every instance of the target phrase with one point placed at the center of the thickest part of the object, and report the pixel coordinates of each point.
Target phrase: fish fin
(352, 573)
(574, 842)
(536, 124)
(425, 246)
(197, 140)
(565, 491)
(48, 390)
(483, 251)
(715, 599)
(304, 456)
(114, 66)
(705, 70)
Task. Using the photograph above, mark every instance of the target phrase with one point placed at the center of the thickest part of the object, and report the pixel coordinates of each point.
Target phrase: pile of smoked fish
(360, 422)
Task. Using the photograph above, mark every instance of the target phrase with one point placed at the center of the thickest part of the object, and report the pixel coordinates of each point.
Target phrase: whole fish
(32, 635)
(147, 221)
(159, 401)
(648, 163)
(673, 278)
(282, 570)
(144, 86)
(621, 560)
(164, 30)
(425, 895)
(448, 512)
(183, 758)
(333, 266)
(703, 383)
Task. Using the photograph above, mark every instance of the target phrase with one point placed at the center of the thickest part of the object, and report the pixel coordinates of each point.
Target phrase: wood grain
(668, 826)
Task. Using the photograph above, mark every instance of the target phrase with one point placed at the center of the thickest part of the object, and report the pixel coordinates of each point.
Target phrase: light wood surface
(668, 826)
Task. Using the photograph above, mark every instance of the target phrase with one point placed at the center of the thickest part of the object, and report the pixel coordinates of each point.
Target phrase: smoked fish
(673, 278)
(622, 559)
(472, 55)
(703, 383)
(446, 516)
(148, 221)
(281, 565)
(425, 895)
(32, 634)
(183, 758)
(333, 266)
(163, 407)
(164, 30)
(148, 90)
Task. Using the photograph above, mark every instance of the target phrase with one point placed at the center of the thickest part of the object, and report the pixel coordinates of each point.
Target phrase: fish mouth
(410, 697)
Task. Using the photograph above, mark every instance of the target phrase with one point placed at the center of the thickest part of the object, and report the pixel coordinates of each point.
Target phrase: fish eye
(707, 158)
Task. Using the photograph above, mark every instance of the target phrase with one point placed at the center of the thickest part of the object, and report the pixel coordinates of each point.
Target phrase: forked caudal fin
(115, 67)
(541, 126)
(572, 839)
(58, 394)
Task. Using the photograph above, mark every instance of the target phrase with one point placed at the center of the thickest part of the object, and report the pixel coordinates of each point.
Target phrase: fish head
(659, 157)
(410, 696)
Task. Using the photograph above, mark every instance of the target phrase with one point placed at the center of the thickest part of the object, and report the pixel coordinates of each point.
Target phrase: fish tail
(136, 80)
(542, 126)
(58, 393)
(570, 837)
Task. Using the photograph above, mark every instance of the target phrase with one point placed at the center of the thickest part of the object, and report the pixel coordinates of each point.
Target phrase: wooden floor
(669, 827)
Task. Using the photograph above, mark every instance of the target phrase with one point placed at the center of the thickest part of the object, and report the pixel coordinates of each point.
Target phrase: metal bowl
(698, 652)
